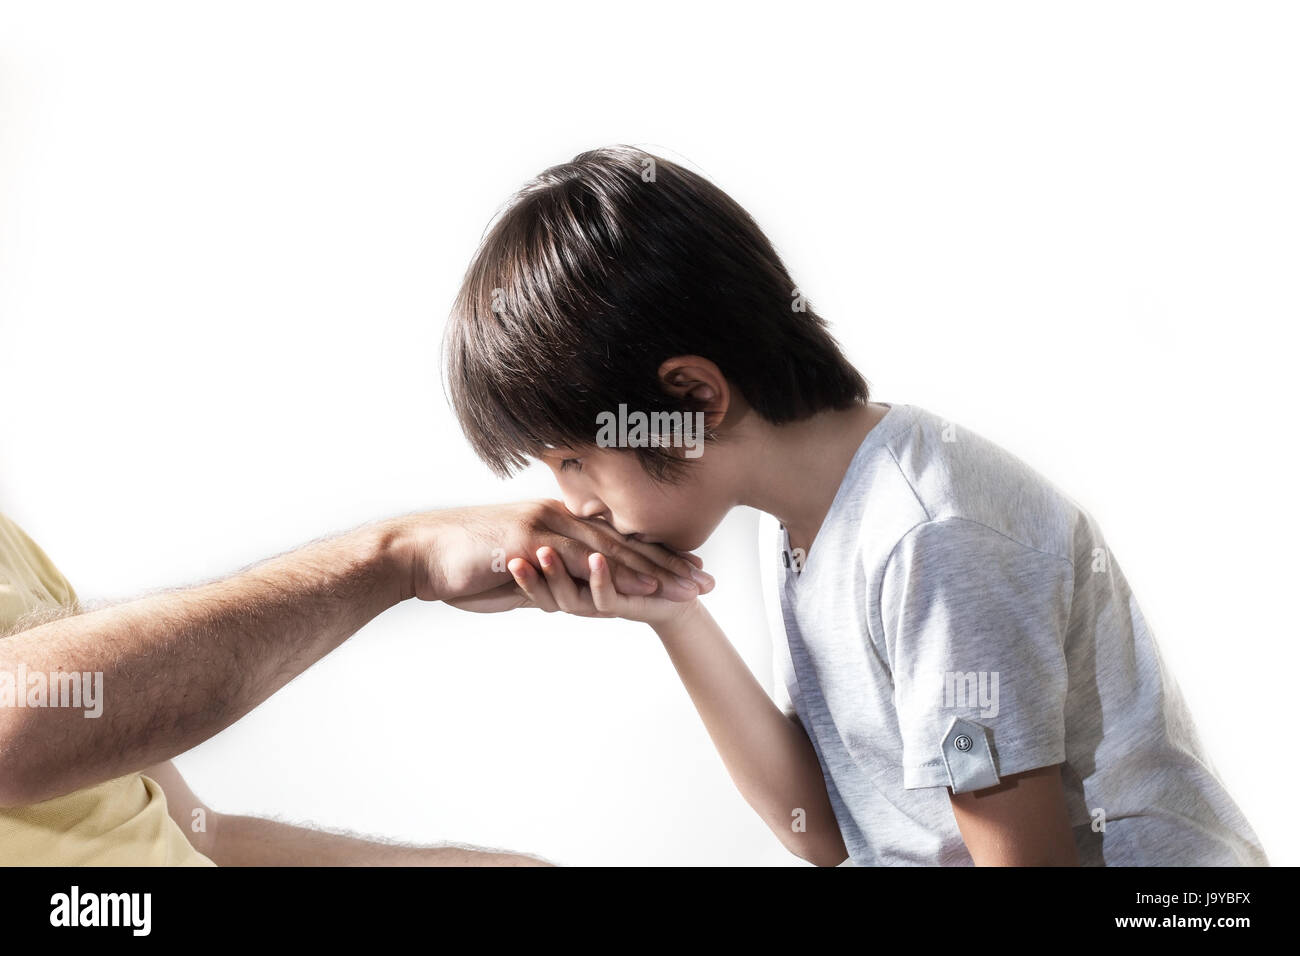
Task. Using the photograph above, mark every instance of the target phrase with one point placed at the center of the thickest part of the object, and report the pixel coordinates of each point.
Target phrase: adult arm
(182, 665)
(233, 840)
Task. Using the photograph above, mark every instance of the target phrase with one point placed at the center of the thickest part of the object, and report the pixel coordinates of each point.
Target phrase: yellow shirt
(120, 822)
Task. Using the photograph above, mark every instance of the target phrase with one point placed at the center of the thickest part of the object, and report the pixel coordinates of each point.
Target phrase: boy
(971, 679)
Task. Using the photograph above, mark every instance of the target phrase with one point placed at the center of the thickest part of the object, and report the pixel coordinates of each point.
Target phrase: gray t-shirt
(958, 619)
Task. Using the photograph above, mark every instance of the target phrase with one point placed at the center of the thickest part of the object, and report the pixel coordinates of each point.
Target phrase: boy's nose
(585, 508)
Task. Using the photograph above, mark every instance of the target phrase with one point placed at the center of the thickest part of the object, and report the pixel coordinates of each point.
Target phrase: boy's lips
(639, 536)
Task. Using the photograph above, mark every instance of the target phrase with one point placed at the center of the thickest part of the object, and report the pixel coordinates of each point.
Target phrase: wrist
(395, 555)
(685, 619)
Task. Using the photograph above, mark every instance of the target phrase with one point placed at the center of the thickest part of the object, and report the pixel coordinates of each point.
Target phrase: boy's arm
(768, 754)
(1020, 822)
(975, 626)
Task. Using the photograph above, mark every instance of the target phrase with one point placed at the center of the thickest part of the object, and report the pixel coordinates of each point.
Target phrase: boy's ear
(699, 380)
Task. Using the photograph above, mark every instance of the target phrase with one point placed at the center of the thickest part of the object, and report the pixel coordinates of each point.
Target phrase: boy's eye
(568, 463)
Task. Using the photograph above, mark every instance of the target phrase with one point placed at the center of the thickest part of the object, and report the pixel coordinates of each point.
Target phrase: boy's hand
(556, 590)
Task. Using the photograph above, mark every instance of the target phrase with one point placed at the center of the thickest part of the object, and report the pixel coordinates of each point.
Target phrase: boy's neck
(802, 465)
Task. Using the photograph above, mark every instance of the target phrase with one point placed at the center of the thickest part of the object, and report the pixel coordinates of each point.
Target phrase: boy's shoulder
(925, 473)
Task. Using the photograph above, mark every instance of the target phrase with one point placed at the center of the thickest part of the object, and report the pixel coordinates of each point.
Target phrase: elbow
(817, 849)
(828, 856)
(812, 836)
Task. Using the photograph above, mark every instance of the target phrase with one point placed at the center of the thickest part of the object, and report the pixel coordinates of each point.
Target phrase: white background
(230, 235)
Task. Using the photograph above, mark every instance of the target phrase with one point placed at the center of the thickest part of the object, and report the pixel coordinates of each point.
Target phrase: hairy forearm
(769, 757)
(253, 841)
(180, 666)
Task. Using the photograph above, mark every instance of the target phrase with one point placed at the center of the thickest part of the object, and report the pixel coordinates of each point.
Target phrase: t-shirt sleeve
(974, 625)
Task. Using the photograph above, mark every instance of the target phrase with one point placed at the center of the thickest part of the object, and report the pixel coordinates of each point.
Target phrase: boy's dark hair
(593, 274)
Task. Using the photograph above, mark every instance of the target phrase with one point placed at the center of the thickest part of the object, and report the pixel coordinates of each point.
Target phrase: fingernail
(702, 578)
(545, 558)
(646, 579)
(687, 583)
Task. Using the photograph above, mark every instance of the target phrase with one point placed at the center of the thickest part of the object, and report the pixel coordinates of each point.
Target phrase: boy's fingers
(532, 584)
(562, 587)
(602, 587)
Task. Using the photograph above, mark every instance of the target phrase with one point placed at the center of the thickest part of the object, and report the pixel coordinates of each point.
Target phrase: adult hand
(461, 555)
